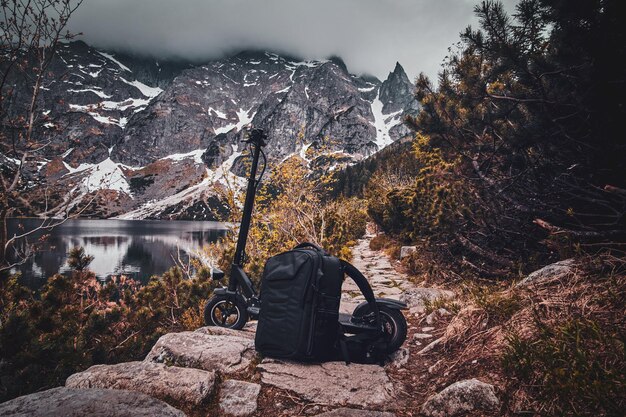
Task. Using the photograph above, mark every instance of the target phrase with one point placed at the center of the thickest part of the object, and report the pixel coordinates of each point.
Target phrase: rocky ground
(216, 372)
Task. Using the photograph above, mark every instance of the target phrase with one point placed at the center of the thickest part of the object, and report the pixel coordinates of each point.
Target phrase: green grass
(499, 305)
(573, 368)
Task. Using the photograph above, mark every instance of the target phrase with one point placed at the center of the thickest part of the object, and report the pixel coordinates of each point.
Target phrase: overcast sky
(370, 35)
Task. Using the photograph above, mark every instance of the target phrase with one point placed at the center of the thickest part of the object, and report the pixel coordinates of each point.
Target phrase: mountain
(156, 138)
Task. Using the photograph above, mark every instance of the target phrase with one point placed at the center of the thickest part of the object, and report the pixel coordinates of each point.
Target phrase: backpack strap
(364, 286)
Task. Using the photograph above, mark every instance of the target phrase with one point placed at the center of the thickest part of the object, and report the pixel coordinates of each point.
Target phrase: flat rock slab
(353, 412)
(182, 385)
(72, 402)
(223, 353)
(332, 383)
(239, 398)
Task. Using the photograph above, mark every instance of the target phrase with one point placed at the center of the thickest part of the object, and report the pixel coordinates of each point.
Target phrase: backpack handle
(310, 245)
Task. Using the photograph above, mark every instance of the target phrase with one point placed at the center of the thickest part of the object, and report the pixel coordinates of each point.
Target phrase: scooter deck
(352, 327)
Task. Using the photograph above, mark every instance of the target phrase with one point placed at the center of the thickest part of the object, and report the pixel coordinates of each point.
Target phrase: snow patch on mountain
(146, 90)
(383, 123)
(89, 109)
(104, 175)
(85, 90)
(244, 118)
(112, 58)
(218, 113)
(195, 155)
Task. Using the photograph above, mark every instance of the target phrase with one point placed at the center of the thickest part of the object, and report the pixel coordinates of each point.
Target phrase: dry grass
(554, 349)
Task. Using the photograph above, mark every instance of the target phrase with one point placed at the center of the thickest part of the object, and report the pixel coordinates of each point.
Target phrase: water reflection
(140, 248)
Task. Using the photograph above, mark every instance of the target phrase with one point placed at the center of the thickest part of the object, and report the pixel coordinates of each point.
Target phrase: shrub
(77, 321)
(292, 207)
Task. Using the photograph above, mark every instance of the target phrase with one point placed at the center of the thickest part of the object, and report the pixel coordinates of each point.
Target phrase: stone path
(382, 276)
(217, 371)
(384, 279)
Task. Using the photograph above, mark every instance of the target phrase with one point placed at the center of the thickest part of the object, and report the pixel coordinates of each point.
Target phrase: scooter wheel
(224, 312)
(394, 326)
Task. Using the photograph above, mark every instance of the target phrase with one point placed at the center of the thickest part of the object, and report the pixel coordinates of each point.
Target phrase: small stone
(239, 398)
(73, 402)
(461, 398)
(406, 251)
(428, 329)
(436, 315)
(417, 336)
(353, 412)
(399, 358)
(416, 297)
(182, 385)
(311, 411)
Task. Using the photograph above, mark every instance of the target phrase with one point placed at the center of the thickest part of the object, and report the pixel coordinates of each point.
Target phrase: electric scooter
(233, 305)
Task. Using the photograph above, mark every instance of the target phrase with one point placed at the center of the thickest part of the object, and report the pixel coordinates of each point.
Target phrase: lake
(138, 248)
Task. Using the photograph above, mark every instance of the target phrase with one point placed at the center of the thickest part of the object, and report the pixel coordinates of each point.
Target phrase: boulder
(72, 402)
(239, 398)
(353, 412)
(461, 398)
(167, 383)
(226, 354)
(333, 383)
(555, 271)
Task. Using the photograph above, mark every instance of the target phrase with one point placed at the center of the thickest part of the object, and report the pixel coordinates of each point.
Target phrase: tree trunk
(3, 234)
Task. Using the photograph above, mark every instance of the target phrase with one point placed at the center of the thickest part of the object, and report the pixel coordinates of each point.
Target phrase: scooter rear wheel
(224, 312)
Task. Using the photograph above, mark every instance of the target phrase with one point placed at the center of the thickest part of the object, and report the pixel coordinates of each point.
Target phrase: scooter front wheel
(223, 311)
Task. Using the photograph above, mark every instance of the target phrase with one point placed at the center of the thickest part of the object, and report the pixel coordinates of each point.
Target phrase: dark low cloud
(370, 35)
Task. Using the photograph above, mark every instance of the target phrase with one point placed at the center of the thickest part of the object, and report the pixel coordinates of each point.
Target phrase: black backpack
(299, 315)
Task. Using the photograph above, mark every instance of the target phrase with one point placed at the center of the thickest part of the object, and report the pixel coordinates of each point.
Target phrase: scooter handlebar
(256, 136)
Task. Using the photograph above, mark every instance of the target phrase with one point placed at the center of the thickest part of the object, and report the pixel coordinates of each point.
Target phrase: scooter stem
(257, 140)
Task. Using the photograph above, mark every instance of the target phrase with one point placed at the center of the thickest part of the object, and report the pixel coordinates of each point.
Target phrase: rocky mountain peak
(398, 71)
(170, 131)
(397, 91)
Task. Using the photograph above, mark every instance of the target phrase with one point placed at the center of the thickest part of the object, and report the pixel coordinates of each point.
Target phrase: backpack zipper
(315, 289)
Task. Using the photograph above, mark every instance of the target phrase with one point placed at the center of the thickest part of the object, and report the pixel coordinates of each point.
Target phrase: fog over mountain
(370, 35)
